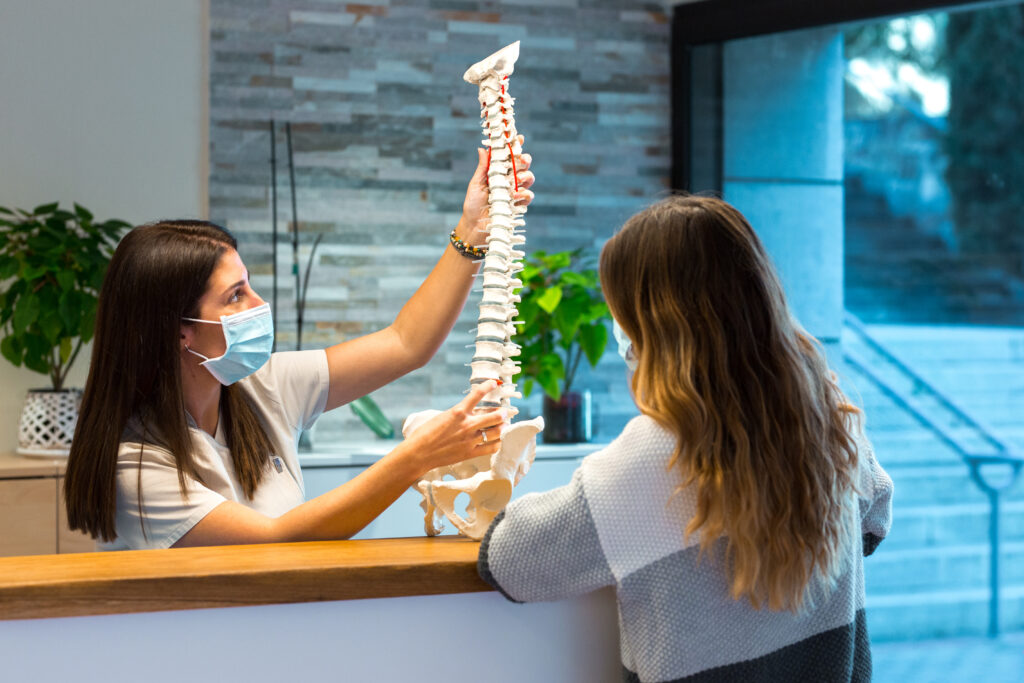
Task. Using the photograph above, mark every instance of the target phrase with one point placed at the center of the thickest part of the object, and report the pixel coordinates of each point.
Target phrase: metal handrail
(1004, 455)
(855, 324)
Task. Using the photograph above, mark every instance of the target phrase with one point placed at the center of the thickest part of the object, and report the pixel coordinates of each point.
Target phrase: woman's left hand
(472, 227)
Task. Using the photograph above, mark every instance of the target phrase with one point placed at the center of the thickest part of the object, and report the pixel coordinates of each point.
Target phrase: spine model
(494, 349)
(488, 480)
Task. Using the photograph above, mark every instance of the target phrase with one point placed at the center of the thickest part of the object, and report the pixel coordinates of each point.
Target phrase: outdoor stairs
(930, 577)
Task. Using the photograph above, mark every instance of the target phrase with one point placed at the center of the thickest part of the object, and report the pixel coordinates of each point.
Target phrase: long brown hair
(763, 432)
(156, 277)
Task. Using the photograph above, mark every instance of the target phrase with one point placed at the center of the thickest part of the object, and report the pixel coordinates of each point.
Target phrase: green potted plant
(52, 263)
(564, 321)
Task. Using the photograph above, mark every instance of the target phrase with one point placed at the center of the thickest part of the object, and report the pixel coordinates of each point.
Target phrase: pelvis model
(488, 480)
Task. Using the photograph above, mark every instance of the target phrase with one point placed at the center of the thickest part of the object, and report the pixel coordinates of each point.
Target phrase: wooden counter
(13, 466)
(81, 584)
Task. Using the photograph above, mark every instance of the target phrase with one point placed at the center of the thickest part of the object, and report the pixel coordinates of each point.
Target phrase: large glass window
(883, 165)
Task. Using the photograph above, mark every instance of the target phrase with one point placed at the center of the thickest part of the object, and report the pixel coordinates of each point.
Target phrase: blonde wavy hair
(763, 431)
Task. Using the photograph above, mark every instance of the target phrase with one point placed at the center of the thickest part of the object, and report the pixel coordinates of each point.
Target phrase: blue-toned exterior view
(881, 165)
(933, 337)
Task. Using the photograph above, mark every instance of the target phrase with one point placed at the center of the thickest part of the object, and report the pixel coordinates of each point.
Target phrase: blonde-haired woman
(731, 515)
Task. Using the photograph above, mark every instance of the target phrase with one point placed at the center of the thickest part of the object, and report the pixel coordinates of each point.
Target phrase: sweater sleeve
(544, 546)
(876, 501)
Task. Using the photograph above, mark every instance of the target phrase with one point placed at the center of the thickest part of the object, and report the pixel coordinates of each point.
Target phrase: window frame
(711, 22)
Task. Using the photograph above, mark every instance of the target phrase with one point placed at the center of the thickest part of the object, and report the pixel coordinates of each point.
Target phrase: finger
(523, 197)
(487, 435)
(488, 420)
(476, 394)
(526, 179)
(489, 448)
(480, 174)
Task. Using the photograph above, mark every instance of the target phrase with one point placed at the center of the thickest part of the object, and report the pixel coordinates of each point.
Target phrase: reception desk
(383, 610)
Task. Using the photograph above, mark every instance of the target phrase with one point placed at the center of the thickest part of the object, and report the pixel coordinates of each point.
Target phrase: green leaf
(42, 242)
(529, 272)
(593, 340)
(598, 311)
(29, 273)
(555, 261)
(37, 363)
(82, 213)
(571, 278)
(11, 349)
(527, 388)
(553, 362)
(4, 209)
(113, 230)
(549, 383)
(372, 416)
(96, 281)
(551, 370)
(569, 316)
(66, 279)
(550, 299)
(25, 313)
(9, 267)
(528, 311)
(43, 209)
(65, 349)
(69, 310)
(36, 352)
(88, 319)
(15, 291)
(51, 326)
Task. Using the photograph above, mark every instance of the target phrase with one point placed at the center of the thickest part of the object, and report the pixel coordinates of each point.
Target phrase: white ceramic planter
(48, 422)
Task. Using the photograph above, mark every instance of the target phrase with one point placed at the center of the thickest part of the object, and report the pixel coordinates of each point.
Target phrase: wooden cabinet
(28, 516)
(32, 517)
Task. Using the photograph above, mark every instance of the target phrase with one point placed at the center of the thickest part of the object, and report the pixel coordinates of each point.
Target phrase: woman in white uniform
(188, 427)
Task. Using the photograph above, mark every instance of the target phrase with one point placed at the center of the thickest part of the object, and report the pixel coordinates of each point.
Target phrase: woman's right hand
(458, 433)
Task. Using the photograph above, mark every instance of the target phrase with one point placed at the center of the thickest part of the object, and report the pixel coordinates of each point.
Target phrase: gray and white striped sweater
(617, 523)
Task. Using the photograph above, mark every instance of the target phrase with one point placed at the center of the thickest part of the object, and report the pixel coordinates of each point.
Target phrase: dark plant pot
(567, 420)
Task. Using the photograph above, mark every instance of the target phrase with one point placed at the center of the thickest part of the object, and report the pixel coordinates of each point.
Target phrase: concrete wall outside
(783, 163)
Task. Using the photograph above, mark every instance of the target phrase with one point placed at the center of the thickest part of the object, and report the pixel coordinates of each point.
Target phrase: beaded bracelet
(465, 249)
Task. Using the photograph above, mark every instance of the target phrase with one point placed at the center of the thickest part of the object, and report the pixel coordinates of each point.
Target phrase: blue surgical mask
(249, 337)
(625, 346)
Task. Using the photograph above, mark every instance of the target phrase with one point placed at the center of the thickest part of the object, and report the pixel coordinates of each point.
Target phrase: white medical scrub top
(290, 392)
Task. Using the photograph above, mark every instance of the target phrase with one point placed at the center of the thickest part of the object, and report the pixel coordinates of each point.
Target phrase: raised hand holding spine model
(488, 480)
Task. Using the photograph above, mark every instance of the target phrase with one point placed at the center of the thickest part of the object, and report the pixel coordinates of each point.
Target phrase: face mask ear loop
(198, 320)
(196, 353)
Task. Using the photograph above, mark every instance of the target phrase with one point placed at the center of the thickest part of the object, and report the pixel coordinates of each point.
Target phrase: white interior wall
(104, 103)
(428, 638)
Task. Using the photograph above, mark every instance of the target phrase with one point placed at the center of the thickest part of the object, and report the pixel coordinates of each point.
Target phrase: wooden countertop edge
(45, 586)
(13, 466)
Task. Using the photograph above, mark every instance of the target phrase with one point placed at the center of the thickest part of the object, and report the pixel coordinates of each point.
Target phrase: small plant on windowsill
(52, 263)
(564, 321)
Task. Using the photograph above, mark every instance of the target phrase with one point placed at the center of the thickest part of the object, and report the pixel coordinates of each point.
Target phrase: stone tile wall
(384, 130)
